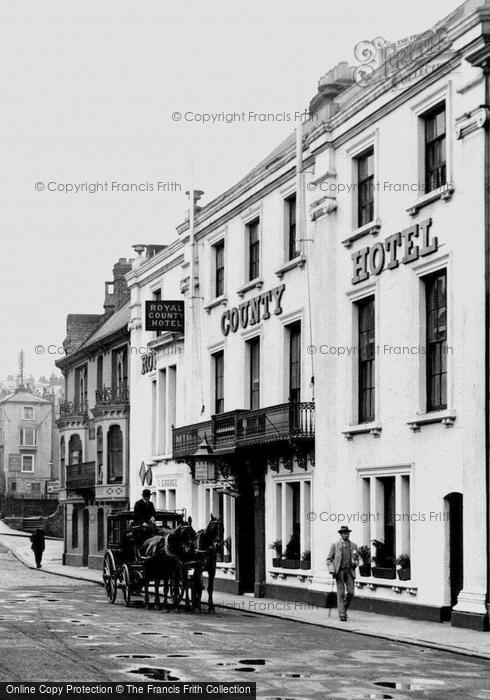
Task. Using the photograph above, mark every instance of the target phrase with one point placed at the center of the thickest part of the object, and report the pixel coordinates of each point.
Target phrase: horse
(206, 545)
(161, 557)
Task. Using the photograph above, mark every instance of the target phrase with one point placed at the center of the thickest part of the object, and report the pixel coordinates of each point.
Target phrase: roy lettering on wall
(414, 241)
(252, 311)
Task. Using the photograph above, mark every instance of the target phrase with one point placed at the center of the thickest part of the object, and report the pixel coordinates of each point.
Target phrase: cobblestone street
(57, 629)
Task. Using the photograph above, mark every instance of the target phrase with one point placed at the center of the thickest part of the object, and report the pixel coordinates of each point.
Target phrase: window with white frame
(218, 366)
(293, 502)
(292, 246)
(436, 340)
(386, 515)
(165, 408)
(254, 372)
(221, 505)
(167, 499)
(219, 268)
(365, 187)
(157, 296)
(28, 413)
(435, 147)
(28, 436)
(253, 240)
(27, 463)
(366, 360)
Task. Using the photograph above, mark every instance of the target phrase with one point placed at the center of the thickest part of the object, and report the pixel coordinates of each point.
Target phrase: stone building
(26, 444)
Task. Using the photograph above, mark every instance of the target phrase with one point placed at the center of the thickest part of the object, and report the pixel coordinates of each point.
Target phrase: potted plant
(403, 567)
(365, 556)
(277, 547)
(306, 560)
(383, 563)
(292, 560)
(227, 550)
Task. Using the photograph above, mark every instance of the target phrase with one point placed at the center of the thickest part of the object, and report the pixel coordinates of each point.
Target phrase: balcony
(72, 409)
(80, 476)
(226, 432)
(107, 395)
(186, 440)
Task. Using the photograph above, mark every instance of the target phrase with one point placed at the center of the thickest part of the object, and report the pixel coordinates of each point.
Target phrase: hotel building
(333, 367)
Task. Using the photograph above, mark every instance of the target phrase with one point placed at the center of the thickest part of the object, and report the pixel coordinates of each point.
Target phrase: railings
(80, 476)
(107, 395)
(228, 431)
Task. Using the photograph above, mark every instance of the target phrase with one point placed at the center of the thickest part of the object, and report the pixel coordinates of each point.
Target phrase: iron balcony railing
(80, 476)
(186, 440)
(73, 408)
(107, 395)
(225, 432)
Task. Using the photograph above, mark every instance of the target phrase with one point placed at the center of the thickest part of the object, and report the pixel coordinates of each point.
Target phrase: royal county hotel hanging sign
(415, 242)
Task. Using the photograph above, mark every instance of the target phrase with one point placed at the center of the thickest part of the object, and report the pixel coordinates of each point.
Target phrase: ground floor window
(293, 534)
(74, 528)
(221, 505)
(167, 499)
(100, 529)
(386, 527)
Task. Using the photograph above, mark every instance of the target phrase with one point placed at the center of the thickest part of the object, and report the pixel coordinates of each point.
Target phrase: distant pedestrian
(38, 545)
(342, 561)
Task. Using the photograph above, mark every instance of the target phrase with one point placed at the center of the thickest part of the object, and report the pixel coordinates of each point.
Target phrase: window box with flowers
(365, 557)
(403, 567)
(277, 547)
(227, 550)
(383, 563)
(306, 560)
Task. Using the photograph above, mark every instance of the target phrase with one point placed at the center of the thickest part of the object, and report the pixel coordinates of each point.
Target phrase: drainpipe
(194, 196)
(486, 72)
(299, 187)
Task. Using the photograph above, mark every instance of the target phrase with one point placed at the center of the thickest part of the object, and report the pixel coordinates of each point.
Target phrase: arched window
(100, 456)
(115, 454)
(100, 529)
(74, 528)
(75, 452)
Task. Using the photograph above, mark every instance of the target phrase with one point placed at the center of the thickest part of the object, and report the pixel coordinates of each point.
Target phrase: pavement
(441, 636)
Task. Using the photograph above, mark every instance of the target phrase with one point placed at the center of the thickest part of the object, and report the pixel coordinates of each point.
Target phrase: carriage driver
(144, 510)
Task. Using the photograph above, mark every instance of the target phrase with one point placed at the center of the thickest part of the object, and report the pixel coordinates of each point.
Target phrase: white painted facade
(415, 458)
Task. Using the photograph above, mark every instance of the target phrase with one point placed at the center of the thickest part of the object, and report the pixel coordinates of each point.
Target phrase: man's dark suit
(143, 511)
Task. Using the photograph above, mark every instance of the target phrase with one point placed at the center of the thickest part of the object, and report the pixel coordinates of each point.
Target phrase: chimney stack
(116, 292)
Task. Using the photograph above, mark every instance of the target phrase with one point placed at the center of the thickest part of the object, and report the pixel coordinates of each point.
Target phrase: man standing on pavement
(38, 545)
(144, 510)
(342, 561)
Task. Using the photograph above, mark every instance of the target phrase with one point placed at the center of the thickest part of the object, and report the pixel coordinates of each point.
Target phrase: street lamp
(204, 469)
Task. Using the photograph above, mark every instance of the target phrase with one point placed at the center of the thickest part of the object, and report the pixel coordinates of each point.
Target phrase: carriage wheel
(109, 576)
(176, 587)
(126, 585)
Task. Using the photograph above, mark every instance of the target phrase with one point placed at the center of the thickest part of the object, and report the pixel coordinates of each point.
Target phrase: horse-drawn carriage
(168, 551)
(129, 562)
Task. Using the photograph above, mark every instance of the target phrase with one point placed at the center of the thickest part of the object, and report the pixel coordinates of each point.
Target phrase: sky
(90, 92)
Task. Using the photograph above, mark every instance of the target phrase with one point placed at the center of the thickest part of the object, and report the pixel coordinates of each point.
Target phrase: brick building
(93, 422)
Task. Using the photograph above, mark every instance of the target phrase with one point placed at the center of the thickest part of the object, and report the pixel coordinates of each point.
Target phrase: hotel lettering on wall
(252, 311)
(148, 362)
(412, 243)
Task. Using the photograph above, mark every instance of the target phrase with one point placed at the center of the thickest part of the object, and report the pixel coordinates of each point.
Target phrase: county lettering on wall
(252, 311)
(164, 316)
